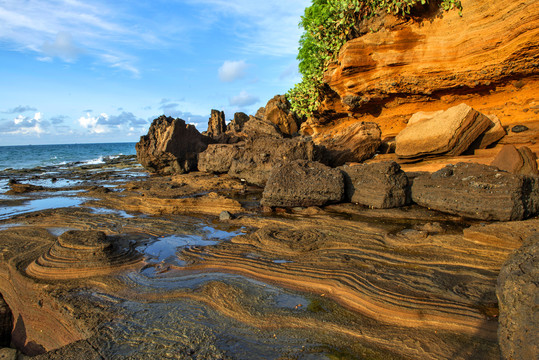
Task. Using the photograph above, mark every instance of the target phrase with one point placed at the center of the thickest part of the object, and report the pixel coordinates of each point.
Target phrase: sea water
(31, 156)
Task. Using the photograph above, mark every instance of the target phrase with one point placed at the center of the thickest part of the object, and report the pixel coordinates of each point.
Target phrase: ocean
(31, 156)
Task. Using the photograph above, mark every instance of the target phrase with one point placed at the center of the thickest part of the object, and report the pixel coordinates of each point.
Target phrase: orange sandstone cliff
(487, 58)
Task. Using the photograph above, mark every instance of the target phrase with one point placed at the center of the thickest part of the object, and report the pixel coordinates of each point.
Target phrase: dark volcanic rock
(380, 185)
(517, 161)
(303, 183)
(6, 323)
(171, 146)
(478, 191)
(355, 143)
(260, 154)
(518, 296)
(218, 158)
(519, 128)
(256, 127)
(279, 113)
(237, 123)
(216, 124)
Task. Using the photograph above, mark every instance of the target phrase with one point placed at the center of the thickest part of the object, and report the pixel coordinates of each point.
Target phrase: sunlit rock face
(171, 146)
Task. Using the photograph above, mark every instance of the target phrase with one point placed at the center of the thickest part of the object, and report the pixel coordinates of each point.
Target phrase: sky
(84, 71)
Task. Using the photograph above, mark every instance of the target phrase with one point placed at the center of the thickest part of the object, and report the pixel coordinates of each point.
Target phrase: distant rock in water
(171, 146)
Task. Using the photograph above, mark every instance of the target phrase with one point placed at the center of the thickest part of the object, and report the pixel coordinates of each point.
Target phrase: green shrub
(327, 25)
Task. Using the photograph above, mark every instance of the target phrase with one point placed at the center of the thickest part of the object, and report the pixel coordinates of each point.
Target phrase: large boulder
(478, 191)
(518, 298)
(443, 133)
(303, 183)
(278, 112)
(258, 127)
(517, 161)
(380, 185)
(259, 155)
(218, 158)
(494, 132)
(171, 146)
(216, 124)
(354, 143)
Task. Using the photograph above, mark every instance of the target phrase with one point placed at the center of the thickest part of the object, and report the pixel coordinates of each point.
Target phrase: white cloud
(266, 27)
(62, 47)
(243, 99)
(92, 123)
(24, 125)
(232, 70)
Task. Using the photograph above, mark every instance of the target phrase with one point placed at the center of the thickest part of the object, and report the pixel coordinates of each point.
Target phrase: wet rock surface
(518, 294)
(380, 185)
(303, 183)
(479, 192)
(308, 282)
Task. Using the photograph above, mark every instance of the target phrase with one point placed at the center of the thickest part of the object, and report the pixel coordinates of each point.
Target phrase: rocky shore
(399, 222)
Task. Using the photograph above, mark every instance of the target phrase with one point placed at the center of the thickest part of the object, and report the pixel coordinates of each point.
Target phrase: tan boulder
(278, 112)
(517, 161)
(443, 133)
(494, 133)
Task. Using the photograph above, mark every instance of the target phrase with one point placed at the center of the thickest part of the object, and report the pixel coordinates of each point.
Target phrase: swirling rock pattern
(78, 253)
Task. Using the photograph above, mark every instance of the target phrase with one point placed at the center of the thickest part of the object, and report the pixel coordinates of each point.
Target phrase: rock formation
(494, 133)
(278, 112)
(77, 254)
(236, 125)
(517, 161)
(380, 185)
(216, 124)
(354, 143)
(450, 132)
(303, 183)
(518, 296)
(6, 323)
(171, 146)
(479, 192)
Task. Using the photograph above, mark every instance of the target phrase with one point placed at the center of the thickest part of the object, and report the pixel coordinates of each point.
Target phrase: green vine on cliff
(327, 25)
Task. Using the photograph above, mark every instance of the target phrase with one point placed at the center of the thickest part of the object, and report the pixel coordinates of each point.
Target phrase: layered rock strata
(518, 295)
(479, 192)
(379, 185)
(450, 132)
(303, 183)
(77, 254)
(171, 146)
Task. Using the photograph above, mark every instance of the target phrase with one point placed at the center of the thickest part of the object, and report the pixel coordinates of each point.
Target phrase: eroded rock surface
(518, 295)
(277, 111)
(216, 124)
(478, 191)
(380, 185)
(517, 161)
(171, 146)
(303, 183)
(450, 133)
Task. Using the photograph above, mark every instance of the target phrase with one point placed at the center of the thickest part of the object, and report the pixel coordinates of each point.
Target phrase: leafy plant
(327, 25)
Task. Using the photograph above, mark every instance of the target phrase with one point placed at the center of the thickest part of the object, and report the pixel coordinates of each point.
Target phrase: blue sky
(74, 71)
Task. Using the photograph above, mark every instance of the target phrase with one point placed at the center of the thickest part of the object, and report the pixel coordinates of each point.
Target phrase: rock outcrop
(303, 183)
(518, 296)
(236, 125)
(218, 158)
(450, 132)
(78, 254)
(479, 192)
(354, 143)
(517, 161)
(171, 146)
(278, 112)
(380, 185)
(491, 41)
(216, 124)
(6, 323)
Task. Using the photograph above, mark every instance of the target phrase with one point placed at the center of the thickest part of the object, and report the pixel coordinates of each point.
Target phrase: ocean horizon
(31, 156)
